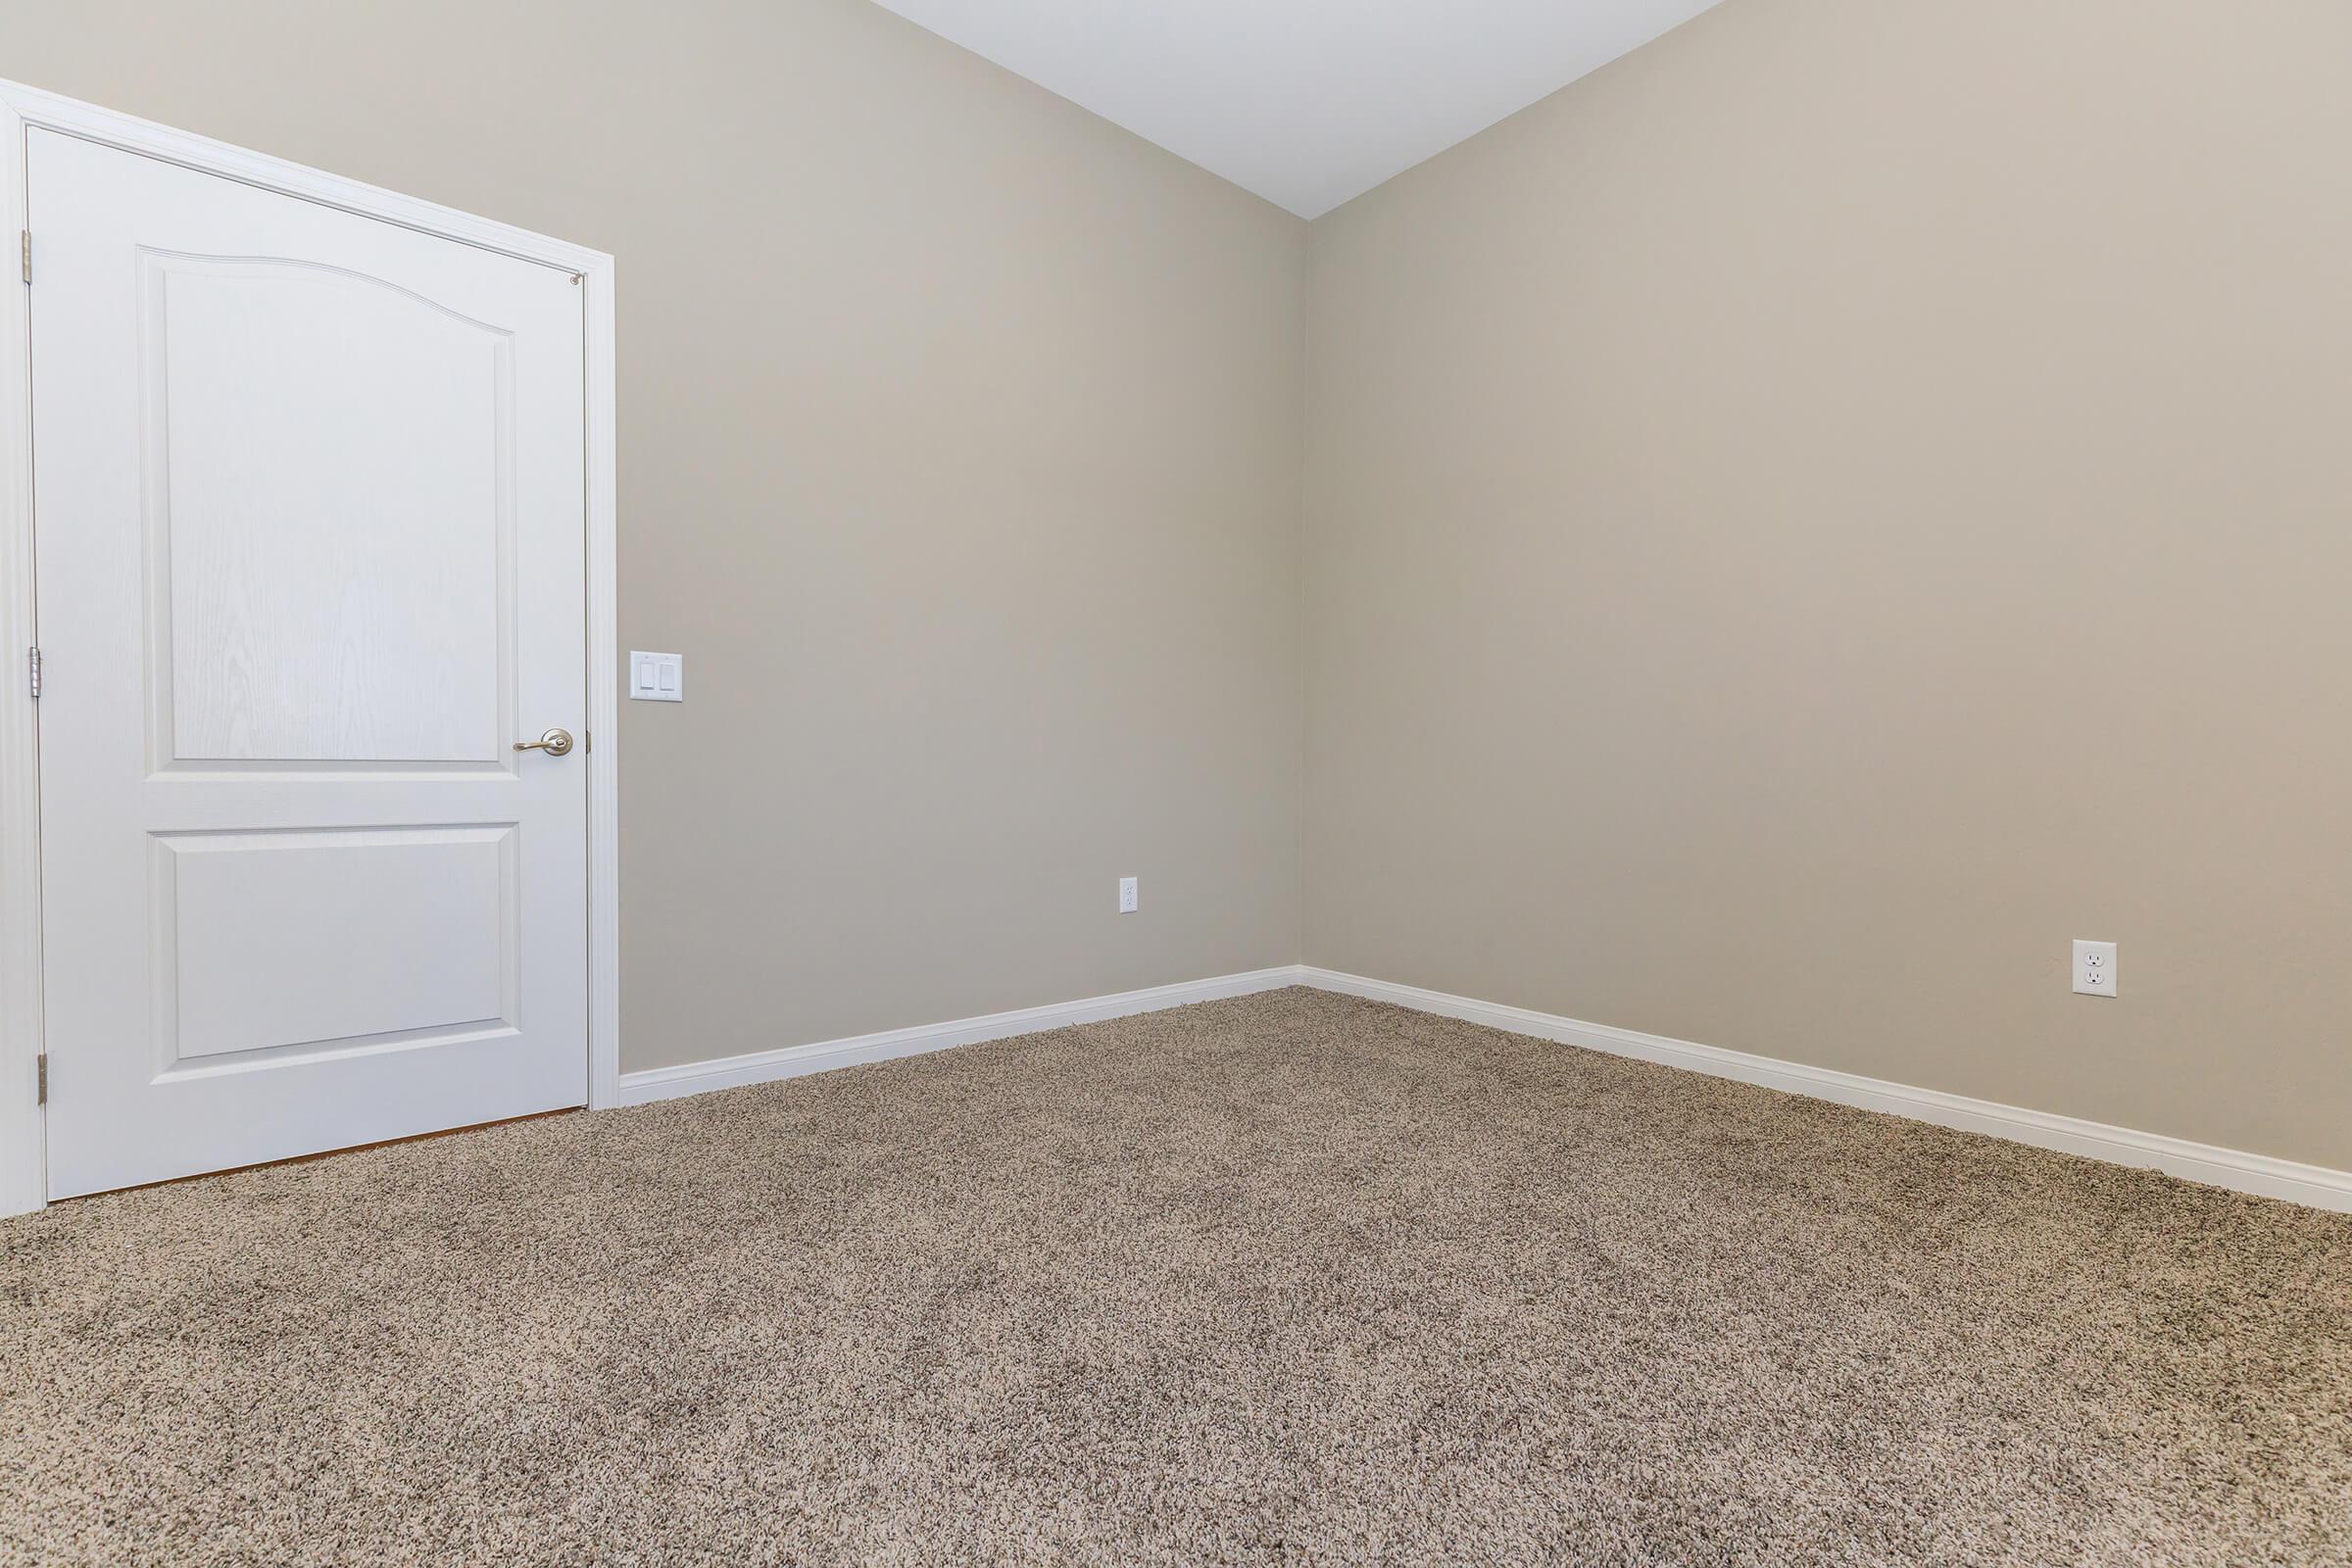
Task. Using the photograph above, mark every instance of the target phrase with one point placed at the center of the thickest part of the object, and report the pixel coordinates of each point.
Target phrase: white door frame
(23, 1180)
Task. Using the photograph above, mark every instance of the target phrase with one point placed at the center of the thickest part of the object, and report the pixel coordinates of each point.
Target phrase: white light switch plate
(2095, 968)
(656, 678)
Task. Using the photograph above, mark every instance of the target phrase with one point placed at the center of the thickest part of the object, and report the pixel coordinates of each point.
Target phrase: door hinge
(32, 663)
(25, 250)
(40, 1069)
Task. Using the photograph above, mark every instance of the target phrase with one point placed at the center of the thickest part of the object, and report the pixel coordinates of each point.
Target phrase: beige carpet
(1290, 1279)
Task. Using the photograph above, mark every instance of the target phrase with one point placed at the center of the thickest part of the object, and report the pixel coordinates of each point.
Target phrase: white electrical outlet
(1126, 895)
(2095, 968)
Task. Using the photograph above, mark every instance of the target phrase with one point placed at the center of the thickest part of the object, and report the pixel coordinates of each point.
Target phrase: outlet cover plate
(2095, 968)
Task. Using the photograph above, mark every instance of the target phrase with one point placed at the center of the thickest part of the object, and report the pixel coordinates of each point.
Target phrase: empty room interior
(1145, 783)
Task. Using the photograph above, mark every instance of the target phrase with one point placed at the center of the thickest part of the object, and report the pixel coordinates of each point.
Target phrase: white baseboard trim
(793, 1062)
(2315, 1186)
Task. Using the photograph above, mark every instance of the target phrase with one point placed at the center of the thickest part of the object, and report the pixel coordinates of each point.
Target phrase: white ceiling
(1305, 102)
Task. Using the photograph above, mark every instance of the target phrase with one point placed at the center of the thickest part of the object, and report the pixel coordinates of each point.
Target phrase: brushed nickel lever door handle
(554, 743)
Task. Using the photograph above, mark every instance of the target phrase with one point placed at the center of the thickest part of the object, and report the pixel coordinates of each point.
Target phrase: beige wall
(960, 456)
(1809, 520)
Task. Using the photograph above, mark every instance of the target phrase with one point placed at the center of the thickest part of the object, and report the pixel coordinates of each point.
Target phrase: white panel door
(308, 501)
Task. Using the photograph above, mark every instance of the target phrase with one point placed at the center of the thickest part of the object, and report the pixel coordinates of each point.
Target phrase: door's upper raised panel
(329, 500)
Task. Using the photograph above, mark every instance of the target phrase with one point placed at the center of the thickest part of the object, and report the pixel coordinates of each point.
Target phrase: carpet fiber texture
(1288, 1279)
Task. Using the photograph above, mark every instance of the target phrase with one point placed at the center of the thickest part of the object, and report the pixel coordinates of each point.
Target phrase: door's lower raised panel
(286, 946)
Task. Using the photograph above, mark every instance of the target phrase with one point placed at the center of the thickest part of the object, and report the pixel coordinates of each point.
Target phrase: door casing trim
(23, 1180)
